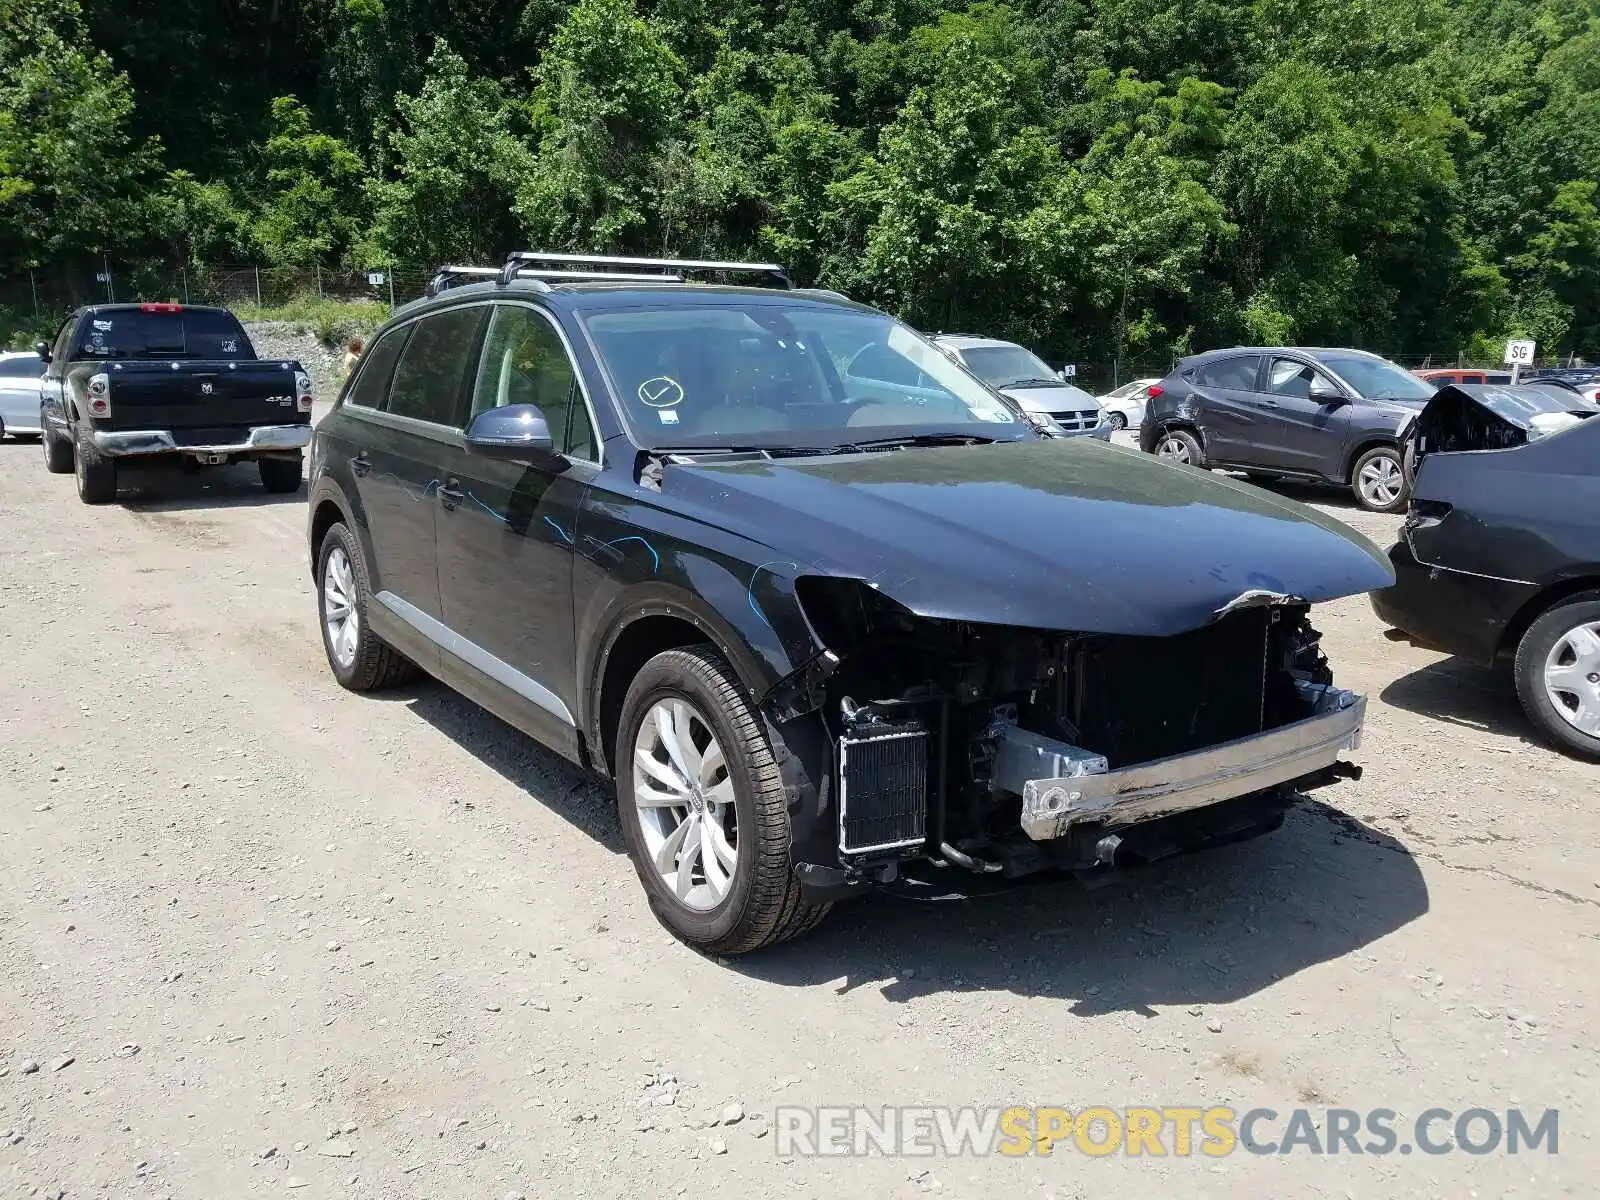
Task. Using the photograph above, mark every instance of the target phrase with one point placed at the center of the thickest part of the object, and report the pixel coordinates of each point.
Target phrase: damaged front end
(963, 751)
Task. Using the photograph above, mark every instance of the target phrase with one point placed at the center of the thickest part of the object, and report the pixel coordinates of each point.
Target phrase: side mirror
(42, 349)
(516, 433)
(1325, 393)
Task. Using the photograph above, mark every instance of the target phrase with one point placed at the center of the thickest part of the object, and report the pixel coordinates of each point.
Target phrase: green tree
(311, 210)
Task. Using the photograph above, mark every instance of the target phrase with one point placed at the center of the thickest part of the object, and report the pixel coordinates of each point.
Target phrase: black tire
(1117, 421)
(763, 904)
(282, 476)
(57, 454)
(1534, 650)
(374, 664)
(1387, 459)
(1192, 454)
(97, 476)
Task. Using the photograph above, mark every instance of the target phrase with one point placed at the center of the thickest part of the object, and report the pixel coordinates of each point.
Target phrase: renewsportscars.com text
(1158, 1132)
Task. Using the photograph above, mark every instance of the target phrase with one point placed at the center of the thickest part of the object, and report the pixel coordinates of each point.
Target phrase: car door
(404, 405)
(507, 534)
(1222, 391)
(1308, 432)
(52, 389)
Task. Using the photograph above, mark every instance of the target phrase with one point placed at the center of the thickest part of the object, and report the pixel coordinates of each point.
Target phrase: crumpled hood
(1066, 534)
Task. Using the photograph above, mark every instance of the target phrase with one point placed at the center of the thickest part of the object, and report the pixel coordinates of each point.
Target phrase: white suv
(1021, 374)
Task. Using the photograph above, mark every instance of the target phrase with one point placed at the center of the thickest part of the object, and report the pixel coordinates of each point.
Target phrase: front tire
(361, 661)
(1379, 480)
(57, 454)
(97, 476)
(282, 476)
(1118, 422)
(1557, 674)
(703, 808)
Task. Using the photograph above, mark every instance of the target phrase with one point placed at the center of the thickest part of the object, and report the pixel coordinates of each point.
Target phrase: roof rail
(539, 264)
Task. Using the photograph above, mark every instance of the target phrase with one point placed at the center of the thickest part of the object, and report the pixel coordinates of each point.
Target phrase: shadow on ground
(1210, 928)
(172, 489)
(1461, 693)
(582, 799)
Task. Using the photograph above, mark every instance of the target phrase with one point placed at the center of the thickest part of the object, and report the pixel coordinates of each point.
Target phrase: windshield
(1377, 379)
(775, 375)
(1007, 366)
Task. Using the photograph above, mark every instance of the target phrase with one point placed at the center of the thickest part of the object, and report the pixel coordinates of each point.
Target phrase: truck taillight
(99, 396)
(302, 390)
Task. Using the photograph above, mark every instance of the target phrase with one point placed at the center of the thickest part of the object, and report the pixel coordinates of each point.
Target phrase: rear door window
(430, 378)
(1238, 373)
(376, 369)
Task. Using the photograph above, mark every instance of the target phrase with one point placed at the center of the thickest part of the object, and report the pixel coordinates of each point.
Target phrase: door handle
(1270, 403)
(450, 497)
(361, 464)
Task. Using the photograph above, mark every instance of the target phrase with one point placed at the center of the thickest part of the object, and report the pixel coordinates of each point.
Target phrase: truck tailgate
(203, 396)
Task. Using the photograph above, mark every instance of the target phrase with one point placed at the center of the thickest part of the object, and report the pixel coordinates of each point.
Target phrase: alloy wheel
(339, 607)
(1572, 678)
(1173, 450)
(684, 794)
(1381, 481)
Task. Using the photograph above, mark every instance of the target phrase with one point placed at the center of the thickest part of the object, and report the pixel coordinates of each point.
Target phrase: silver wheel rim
(1381, 481)
(684, 794)
(339, 614)
(1572, 678)
(1118, 421)
(1173, 450)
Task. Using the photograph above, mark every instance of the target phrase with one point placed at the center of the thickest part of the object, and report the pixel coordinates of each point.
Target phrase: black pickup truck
(165, 383)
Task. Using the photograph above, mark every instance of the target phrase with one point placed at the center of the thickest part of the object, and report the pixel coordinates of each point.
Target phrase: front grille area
(1078, 421)
(1135, 699)
(883, 789)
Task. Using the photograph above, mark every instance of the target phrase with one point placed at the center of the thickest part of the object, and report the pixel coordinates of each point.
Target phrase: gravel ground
(258, 935)
(283, 339)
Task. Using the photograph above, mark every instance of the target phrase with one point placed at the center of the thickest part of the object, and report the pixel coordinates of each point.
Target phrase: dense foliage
(1096, 176)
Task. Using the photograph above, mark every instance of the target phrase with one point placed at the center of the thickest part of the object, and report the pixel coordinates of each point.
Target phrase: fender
(755, 622)
(326, 488)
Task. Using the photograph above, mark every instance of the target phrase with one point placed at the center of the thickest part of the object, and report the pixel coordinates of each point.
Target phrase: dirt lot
(243, 912)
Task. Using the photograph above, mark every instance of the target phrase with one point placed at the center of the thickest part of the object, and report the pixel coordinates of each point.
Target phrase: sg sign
(1519, 352)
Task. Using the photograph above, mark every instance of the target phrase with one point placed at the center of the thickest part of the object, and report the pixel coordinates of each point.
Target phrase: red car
(1444, 375)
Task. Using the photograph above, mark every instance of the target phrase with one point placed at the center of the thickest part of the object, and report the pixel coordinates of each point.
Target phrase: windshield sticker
(103, 326)
(668, 416)
(230, 347)
(661, 392)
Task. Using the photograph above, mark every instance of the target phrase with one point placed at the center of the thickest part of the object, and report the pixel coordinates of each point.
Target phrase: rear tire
(361, 661)
(282, 476)
(97, 476)
(760, 903)
(57, 454)
(1181, 447)
(1557, 675)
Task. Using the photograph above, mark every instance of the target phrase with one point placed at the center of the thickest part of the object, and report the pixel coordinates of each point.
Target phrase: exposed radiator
(883, 789)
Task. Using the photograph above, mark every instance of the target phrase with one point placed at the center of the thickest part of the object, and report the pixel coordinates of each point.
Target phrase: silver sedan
(19, 393)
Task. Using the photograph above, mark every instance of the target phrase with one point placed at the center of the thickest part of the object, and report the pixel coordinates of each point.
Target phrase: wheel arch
(1542, 602)
(1366, 445)
(651, 622)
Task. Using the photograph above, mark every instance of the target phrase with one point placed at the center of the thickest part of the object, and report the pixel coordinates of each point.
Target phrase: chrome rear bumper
(1051, 807)
(117, 443)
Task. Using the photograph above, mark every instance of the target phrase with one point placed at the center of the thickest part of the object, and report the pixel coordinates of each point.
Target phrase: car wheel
(1117, 421)
(361, 661)
(57, 454)
(282, 476)
(1558, 675)
(1379, 480)
(703, 807)
(97, 476)
(1180, 446)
